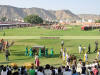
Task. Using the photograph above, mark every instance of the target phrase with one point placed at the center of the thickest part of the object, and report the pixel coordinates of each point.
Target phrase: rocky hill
(14, 12)
(90, 16)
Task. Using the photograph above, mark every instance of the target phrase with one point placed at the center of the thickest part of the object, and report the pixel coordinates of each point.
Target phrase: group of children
(28, 53)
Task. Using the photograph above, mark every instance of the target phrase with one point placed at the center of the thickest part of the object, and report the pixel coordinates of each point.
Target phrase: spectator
(88, 70)
(74, 72)
(53, 71)
(40, 71)
(79, 66)
(74, 62)
(15, 71)
(1, 67)
(67, 72)
(83, 69)
(91, 73)
(4, 71)
(9, 70)
(63, 68)
(32, 71)
(56, 70)
(95, 71)
(23, 71)
(47, 70)
(60, 71)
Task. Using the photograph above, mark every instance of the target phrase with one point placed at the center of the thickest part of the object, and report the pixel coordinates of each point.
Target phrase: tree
(97, 21)
(33, 19)
(3, 19)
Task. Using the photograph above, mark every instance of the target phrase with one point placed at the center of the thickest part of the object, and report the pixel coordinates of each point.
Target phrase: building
(8, 25)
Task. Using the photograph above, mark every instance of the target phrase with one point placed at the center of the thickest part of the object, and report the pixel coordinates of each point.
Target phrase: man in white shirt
(79, 66)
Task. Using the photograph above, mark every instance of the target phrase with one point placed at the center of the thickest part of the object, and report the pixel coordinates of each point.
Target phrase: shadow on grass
(52, 56)
(83, 53)
(19, 53)
(6, 62)
(22, 59)
(70, 46)
(54, 65)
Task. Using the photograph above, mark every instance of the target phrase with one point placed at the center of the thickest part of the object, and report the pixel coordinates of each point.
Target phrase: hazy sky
(76, 6)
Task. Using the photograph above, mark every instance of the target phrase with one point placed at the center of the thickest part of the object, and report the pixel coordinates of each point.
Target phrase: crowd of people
(80, 68)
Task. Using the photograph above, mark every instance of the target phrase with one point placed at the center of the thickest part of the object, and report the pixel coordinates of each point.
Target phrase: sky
(76, 6)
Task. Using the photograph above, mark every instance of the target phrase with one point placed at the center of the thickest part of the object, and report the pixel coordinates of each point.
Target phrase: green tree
(3, 19)
(33, 19)
(97, 21)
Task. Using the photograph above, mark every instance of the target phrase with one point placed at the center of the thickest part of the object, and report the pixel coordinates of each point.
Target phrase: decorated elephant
(5, 45)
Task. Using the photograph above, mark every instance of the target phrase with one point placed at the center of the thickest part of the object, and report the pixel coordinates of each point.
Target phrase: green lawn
(18, 50)
(37, 31)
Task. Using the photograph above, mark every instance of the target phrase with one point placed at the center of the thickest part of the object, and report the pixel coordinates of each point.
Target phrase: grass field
(18, 50)
(37, 31)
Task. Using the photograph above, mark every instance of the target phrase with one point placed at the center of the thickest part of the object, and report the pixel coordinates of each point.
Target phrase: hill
(90, 16)
(14, 12)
